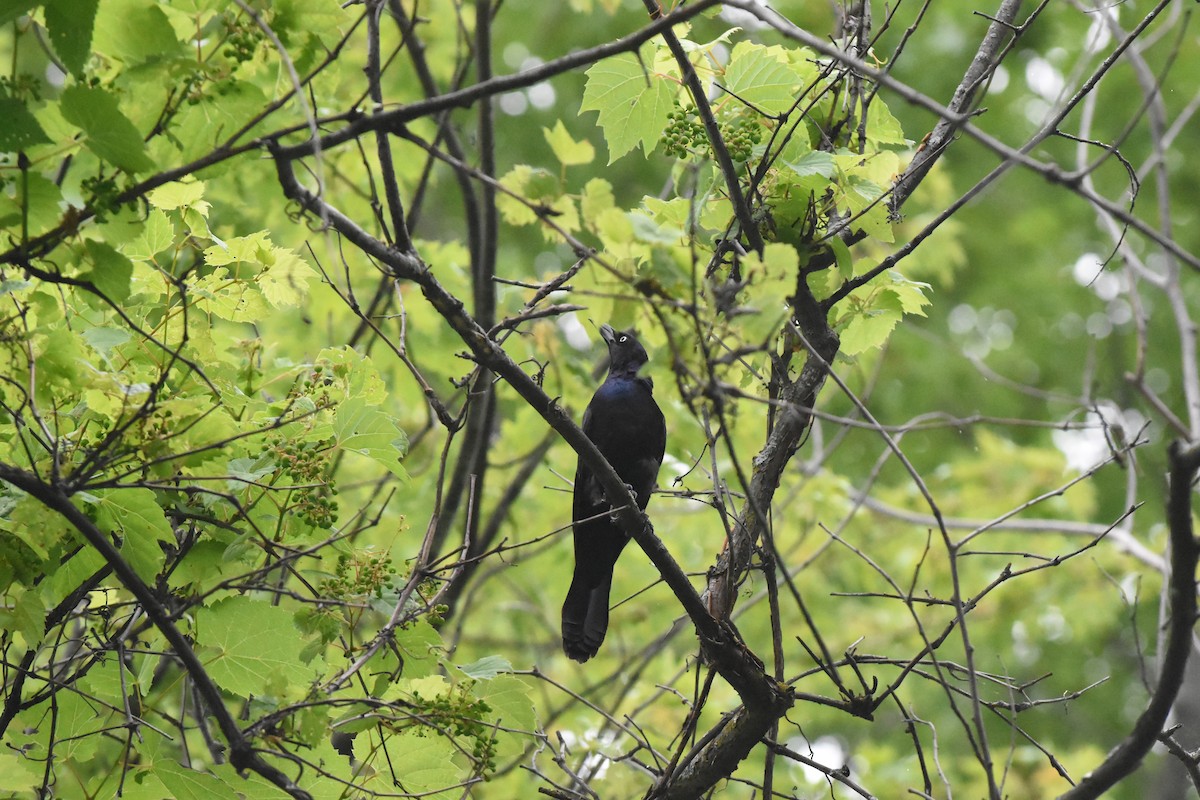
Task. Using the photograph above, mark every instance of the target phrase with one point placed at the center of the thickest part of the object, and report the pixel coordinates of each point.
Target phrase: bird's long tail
(585, 618)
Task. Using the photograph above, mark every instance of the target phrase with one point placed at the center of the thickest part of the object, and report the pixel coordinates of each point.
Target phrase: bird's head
(625, 353)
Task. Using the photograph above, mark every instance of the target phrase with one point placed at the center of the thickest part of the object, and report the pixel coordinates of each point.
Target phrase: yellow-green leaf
(568, 151)
(178, 194)
(285, 281)
(633, 104)
(69, 24)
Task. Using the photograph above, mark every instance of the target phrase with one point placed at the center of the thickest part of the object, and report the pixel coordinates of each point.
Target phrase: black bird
(628, 428)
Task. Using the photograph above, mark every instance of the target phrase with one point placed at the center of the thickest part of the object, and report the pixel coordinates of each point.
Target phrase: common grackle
(628, 428)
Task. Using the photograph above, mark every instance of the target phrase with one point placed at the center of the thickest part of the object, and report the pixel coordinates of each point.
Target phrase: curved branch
(1181, 591)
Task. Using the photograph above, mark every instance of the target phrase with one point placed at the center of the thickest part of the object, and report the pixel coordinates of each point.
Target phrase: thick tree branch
(765, 699)
(1181, 593)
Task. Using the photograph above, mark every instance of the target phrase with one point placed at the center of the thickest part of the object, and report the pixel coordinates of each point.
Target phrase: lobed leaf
(632, 103)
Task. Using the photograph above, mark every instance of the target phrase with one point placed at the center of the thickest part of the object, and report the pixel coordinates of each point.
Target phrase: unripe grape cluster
(365, 573)
(685, 135)
(740, 137)
(307, 464)
(684, 131)
(241, 40)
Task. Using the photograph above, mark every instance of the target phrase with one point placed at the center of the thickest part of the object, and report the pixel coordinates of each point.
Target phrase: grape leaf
(633, 104)
(868, 330)
(178, 194)
(188, 784)
(370, 431)
(110, 272)
(568, 151)
(19, 774)
(763, 77)
(487, 667)
(11, 9)
(285, 281)
(252, 647)
(135, 516)
(134, 31)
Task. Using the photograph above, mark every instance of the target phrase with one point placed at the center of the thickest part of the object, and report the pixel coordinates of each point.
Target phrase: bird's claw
(612, 515)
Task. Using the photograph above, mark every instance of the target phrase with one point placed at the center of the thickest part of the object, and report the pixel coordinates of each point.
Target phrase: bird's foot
(612, 515)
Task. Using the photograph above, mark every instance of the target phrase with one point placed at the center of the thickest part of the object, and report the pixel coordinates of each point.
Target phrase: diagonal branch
(765, 700)
(242, 754)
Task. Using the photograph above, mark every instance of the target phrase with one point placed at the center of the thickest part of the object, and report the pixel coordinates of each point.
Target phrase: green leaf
(111, 271)
(20, 774)
(110, 134)
(248, 470)
(420, 645)
(841, 254)
(228, 298)
(11, 9)
(429, 764)
(868, 330)
(763, 77)
(157, 235)
(188, 784)
(487, 667)
(136, 517)
(24, 612)
(511, 707)
(910, 295)
(770, 281)
(285, 281)
(36, 205)
(597, 198)
(882, 127)
(633, 104)
(103, 339)
(252, 648)
(369, 430)
(134, 31)
(60, 358)
(70, 24)
(179, 194)
(568, 151)
(243, 249)
(813, 163)
(21, 129)
(534, 184)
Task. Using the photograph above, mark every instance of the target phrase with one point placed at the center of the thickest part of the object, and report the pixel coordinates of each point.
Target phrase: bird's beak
(608, 334)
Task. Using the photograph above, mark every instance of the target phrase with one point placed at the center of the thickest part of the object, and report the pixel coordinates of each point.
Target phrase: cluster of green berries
(461, 713)
(242, 38)
(363, 573)
(685, 135)
(740, 137)
(315, 385)
(307, 465)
